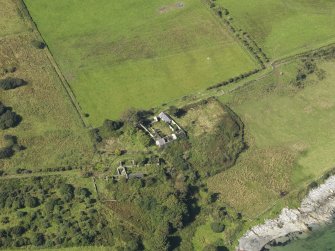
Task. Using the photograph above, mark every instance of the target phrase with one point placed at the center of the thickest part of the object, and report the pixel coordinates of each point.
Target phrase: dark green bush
(8, 118)
(217, 227)
(38, 239)
(31, 201)
(11, 83)
(38, 44)
(17, 230)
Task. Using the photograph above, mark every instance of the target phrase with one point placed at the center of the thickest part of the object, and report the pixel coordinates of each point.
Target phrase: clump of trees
(44, 204)
(11, 83)
(307, 67)
(8, 118)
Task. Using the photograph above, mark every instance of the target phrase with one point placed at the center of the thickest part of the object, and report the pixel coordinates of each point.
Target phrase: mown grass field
(290, 137)
(284, 28)
(50, 129)
(121, 54)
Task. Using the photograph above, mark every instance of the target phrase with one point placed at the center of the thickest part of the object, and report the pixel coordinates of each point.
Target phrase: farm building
(160, 138)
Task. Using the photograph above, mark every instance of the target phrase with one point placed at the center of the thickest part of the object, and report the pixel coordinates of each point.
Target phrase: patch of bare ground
(171, 7)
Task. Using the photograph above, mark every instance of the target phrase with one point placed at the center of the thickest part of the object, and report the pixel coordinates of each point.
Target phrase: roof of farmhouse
(166, 118)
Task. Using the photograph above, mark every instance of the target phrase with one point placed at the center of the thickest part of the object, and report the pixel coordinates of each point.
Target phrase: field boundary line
(230, 34)
(61, 77)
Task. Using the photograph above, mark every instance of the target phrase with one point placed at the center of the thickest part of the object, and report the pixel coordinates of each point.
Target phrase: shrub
(11, 83)
(31, 201)
(17, 230)
(217, 227)
(85, 192)
(38, 239)
(38, 44)
(111, 125)
(66, 189)
(21, 214)
(8, 118)
(6, 152)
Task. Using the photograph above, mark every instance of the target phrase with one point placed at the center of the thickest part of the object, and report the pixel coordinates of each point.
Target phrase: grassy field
(121, 54)
(50, 129)
(285, 27)
(10, 20)
(290, 139)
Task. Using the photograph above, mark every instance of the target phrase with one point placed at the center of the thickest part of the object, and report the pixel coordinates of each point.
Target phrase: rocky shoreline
(316, 209)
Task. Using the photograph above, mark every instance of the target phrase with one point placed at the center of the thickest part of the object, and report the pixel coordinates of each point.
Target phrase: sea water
(320, 240)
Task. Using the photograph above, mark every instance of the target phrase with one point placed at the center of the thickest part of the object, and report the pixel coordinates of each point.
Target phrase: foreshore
(316, 210)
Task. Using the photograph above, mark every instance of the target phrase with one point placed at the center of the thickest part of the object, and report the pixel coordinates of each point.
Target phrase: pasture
(284, 28)
(290, 137)
(50, 129)
(137, 53)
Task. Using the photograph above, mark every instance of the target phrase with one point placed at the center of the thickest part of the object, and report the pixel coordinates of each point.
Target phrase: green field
(282, 28)
(290, 139)
(121, 54)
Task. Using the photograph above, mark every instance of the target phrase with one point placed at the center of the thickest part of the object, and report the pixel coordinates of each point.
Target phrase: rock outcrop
(316, 209)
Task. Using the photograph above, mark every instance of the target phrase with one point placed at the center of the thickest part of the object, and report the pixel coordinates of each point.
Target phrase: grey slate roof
(163, 116)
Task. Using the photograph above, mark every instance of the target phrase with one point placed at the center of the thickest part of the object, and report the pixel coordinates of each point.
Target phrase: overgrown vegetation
(49, 212)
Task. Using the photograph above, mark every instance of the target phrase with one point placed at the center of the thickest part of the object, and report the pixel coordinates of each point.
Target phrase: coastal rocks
(316, 209)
